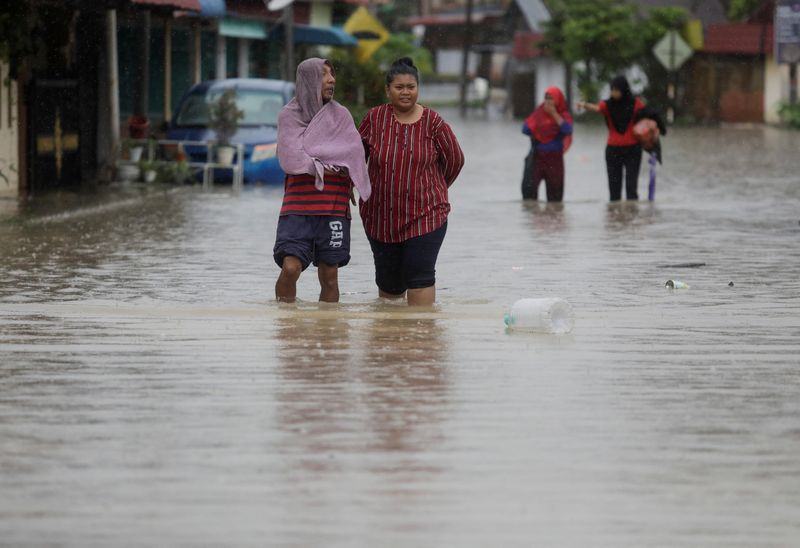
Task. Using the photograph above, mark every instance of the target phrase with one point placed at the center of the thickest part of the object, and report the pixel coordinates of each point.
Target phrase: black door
(55, 134)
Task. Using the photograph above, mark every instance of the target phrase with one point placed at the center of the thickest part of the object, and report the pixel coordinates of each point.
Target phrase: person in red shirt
(623, 150)
(321, 153)
(413, 158)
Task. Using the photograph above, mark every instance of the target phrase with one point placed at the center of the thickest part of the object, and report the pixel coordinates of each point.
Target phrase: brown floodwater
(152, 393)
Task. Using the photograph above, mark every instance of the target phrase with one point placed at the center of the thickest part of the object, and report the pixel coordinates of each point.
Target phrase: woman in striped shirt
(413, 158)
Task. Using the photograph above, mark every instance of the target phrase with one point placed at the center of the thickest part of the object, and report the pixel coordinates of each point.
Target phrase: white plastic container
(676, 284)
(552, 315)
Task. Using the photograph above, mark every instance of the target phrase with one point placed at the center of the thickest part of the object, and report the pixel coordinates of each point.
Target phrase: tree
(599, 36)
(739, 10)
(659, 22)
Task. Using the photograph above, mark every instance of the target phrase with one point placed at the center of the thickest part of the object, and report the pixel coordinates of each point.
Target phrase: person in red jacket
(550, 129)
(623, 150)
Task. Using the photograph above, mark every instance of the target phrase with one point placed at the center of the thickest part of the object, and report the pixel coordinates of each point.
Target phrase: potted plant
(224, 118)
(149, 170)
(132, 150)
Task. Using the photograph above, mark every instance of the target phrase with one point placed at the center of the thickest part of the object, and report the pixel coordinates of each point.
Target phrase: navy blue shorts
(313, 239)
(407, 265)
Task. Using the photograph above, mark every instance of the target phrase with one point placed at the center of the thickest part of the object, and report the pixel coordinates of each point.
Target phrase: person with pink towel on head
(321, 152)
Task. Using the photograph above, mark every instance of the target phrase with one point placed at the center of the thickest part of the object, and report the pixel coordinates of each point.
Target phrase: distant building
(531, 69)
(733, 76)
(504, 46)
(61, 121)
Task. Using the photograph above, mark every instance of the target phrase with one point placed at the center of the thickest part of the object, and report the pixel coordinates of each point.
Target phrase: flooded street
(153, 394)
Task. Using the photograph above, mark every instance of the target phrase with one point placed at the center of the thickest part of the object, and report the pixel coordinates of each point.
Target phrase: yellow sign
(369, 32)
(57, 144)
(694, 34)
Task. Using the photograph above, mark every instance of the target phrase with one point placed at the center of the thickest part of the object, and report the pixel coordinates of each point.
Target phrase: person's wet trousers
(629, 158)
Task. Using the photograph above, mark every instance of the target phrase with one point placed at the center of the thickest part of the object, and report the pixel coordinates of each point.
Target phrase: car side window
(194, 112)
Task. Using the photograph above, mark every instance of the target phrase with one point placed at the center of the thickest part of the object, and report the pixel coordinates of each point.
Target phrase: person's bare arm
(592, 107)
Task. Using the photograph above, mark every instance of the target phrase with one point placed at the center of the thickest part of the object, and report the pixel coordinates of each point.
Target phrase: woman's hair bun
(404, 65)
(405, 61)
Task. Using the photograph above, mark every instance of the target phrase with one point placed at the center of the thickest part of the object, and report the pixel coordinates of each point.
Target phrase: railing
(156, 152)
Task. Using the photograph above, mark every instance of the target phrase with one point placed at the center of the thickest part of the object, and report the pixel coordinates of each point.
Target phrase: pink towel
(313, 135)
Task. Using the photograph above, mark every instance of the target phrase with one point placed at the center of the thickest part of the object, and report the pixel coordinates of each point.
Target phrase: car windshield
(261, 107)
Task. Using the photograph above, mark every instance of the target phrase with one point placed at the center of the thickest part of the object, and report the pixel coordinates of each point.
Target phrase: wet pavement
(152, 393)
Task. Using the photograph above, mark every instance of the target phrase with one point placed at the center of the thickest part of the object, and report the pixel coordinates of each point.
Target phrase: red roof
(739, 39)
(526, 45)
(187, 5)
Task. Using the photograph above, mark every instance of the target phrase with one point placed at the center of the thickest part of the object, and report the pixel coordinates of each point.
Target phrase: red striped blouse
(301, 197)
(411, 167)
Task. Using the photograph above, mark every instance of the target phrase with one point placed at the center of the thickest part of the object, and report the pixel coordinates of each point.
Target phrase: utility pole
(465, 58)
(288, 19)
(141, 103)
(287, 6)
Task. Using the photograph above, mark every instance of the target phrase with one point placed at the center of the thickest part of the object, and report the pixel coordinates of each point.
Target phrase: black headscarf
(621, 110)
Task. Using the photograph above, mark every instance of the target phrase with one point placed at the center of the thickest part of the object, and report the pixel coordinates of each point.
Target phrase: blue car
(261, 100)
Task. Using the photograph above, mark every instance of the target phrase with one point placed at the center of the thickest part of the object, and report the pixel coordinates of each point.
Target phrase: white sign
(672, 51)
(787, 31)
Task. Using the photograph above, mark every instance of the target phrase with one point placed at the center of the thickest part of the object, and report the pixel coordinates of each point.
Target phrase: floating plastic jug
(552, 315)
(676, 284)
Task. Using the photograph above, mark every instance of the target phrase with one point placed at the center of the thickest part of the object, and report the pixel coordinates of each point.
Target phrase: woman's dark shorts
(407, 265)
(313, 239)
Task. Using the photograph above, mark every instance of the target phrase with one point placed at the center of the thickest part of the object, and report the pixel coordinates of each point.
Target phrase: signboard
(787, 31)
(672, 51)
(371, 34)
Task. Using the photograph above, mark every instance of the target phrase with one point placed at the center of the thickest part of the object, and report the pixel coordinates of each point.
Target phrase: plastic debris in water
(551, 315)
(675, 284)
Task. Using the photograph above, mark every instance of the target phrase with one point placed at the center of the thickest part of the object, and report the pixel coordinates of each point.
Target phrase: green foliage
(402, 45)
(224, 116)
(362, 86)
(357, 85)
(739, 10)
(603, 35)
(659, 22)
(790, 114)
(606, 36)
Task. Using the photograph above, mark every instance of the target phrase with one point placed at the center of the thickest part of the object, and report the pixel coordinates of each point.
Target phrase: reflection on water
(150, 389)
(547, 217)
(388, 372)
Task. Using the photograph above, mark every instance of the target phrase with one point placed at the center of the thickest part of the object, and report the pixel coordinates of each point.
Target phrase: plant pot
(225, 155)
(135, 153)
(138, 127)
(150, 175)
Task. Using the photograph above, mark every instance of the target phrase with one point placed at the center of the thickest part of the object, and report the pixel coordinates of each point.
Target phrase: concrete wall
(549, 73)
(9, 157)
(448, 62)
(776, 89)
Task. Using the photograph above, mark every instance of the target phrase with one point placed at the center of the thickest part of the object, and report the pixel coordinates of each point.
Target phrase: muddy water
(151, 393)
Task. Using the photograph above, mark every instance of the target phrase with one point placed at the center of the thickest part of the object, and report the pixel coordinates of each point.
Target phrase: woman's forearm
(588, 106)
